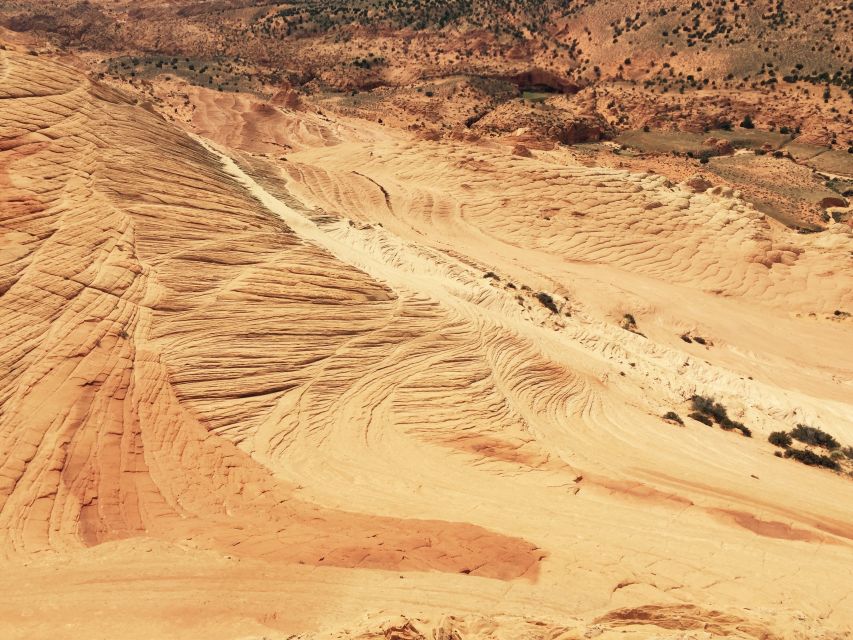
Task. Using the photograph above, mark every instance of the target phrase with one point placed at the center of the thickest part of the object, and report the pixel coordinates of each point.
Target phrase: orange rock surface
(253, 393)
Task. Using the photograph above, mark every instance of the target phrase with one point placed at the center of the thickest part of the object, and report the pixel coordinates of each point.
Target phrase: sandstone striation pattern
(306, 376)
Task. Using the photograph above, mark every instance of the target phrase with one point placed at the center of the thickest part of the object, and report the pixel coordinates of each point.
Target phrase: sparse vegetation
(780, 439)
(699, 417)
(547, 301)
(812, 459)
(814, 436)
(709, 407)
(673, 417)
(629, 323)
(715, 412)
(225, 74)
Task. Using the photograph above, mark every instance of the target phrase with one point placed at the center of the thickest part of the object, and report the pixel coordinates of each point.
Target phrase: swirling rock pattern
(253, 394)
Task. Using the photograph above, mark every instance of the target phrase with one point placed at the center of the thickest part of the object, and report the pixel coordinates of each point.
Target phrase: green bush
(547, 301)
(734, 424)
(712, 412)
(812, 459)
(780, 439)
(709, 407)
(730, 425)
(672, 415)
(814, 436)
(699, 417)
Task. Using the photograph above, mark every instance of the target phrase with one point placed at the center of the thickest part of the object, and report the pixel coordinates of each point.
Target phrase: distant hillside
(786, 63)
(662, 42)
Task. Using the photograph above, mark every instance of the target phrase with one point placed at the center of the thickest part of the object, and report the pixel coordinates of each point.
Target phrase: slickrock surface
(380, 387)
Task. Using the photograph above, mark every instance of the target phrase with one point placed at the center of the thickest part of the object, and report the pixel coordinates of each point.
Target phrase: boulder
(697, 183)
(521, 150)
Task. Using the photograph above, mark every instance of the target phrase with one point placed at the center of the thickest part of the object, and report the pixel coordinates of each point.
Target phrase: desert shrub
(812, 459)
(700, 417)
(715, 412)
(547, 301)
(730, 425)
(814, 436)
(491, 275)
(848, 451)
(686, 338)
(699, 339)
(709, 407)
(629, 323)
(780, 439)
(740, 426)
(672, 415)
(747, 122)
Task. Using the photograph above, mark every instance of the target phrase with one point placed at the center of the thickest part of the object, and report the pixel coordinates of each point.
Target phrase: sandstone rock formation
(378, 387)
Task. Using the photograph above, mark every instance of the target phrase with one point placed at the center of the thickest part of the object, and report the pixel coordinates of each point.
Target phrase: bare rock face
(250, 394)
(543, 78)
(720, 147)
(522, 151)
(110, 430)
(840, 214)
(288, 98)
(833, 201)
(462, 134)
(582, 129)
(698, 183)
(559, 126)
